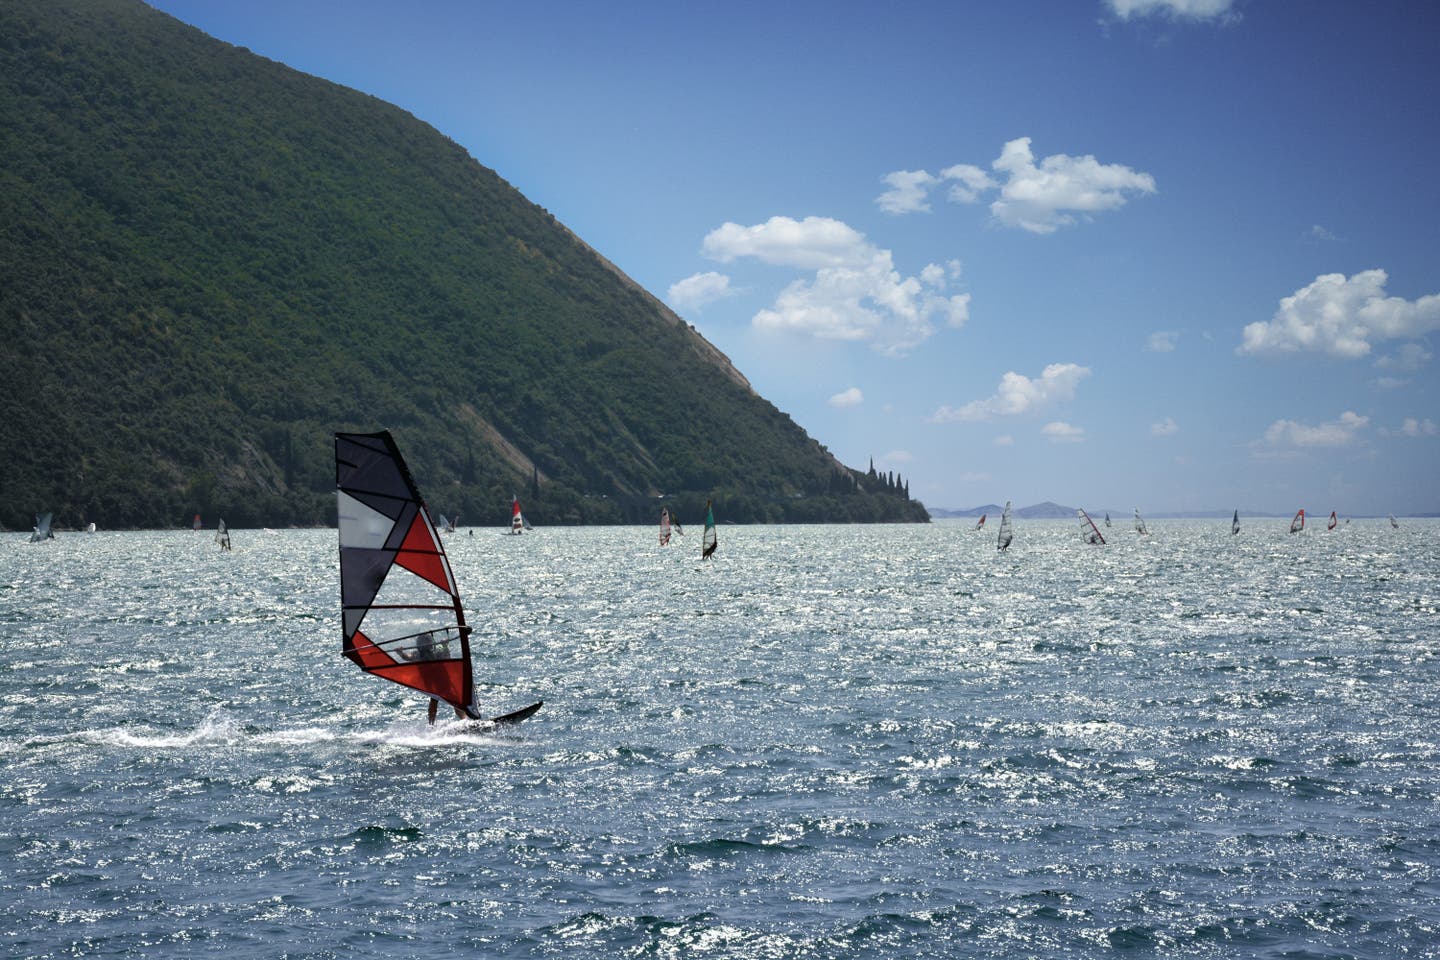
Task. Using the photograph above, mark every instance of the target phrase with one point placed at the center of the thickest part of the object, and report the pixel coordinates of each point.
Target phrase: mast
(401, 614)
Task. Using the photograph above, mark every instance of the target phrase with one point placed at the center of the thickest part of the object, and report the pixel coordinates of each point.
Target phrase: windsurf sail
(1088, 531)
(1298, 523)
(664, 526)
(1235, 522)
(1006, 534)
(981, 523)
(517, 519)
(1107, 518)
(222, 535)
(42, 528)
(1140, 523)
(1393, 524)
(1333, 521)
(401, 609)
(707, 541)
(195, 524)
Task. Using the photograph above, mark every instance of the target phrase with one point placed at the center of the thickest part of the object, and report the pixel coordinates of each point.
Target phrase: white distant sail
(1393, 524)
(1088, 531)
(222, 535)
(42, 528)
(1140, 523)
(91, 527)
(664, 526)
(1006, 534)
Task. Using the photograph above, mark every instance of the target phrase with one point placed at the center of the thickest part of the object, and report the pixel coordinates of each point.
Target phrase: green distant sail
(707, 542)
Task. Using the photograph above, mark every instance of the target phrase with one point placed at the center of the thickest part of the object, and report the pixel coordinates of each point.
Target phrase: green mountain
(209, 263)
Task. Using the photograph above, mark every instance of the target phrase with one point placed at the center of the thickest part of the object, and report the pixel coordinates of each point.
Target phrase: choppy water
(830, 742)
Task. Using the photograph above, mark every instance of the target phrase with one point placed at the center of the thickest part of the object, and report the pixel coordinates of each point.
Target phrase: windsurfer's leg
(434, 708)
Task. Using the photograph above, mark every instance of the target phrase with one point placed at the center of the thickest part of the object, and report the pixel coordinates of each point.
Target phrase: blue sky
(1180, 254)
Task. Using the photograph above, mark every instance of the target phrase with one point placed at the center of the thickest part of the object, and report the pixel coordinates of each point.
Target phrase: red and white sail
(1088, 531)
(1298, 523)
(982, 521)
(1333, 521)
(517, 519)
(402, 618)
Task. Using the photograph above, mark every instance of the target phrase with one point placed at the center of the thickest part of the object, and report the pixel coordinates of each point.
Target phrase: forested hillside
(209, 263)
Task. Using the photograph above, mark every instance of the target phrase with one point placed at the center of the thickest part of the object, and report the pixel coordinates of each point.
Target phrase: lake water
(833, 742)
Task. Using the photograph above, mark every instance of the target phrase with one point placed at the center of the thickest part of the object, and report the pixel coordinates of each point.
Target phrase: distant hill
(1055, 511)
(209, 263)
(1039, 511)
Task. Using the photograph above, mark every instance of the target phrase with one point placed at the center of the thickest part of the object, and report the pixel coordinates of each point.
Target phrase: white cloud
(1163, 341)
(697, 290)
(1417, 428)
(1165, 428)
(1061, 432)
(1341, 317)
(1018, 394)
(810, 244)
(897, 457)
(1336, 433)
(909, 192)
(1005, 440)
(847, 398)
(968, 182)
(1409, 358)
(1041, 198)
(1320, 233)
(1391, 383)
(1179, 9)
(856, 292)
